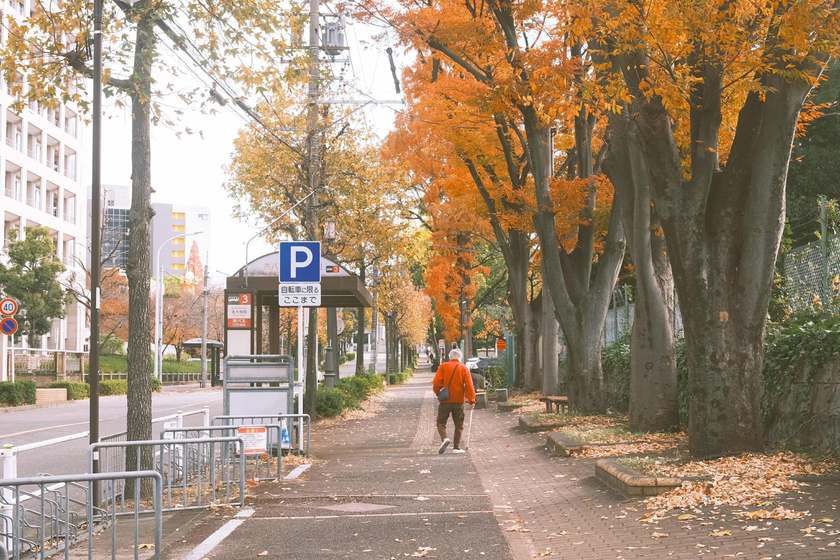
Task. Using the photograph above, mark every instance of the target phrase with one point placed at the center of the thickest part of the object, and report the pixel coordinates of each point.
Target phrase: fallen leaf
(462, 517)
(659, 535)
(685, 517)
(263, 553)
(145, 546)
(725, 533)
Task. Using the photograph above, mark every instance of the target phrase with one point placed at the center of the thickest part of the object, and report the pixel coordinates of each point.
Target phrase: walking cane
(469, 430)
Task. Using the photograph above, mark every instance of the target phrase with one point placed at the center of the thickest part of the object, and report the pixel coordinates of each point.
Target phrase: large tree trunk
(654, 401)
(723, 227)
(139, 398)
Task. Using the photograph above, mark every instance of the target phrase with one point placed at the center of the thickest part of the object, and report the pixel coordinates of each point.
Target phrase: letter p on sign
(300, 261)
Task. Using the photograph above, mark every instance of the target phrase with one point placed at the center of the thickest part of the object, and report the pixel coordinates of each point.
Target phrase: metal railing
(45, 515)
(198, 471)
(262, 462)
(299, 423)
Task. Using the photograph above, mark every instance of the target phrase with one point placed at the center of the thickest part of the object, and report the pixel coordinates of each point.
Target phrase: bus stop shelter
(252, 303)
(214, 350)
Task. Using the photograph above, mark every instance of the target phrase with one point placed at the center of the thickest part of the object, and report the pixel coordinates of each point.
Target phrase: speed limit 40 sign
(8, 307)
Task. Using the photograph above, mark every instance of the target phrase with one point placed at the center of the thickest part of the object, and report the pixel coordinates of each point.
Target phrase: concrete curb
(558, 444)
(507, 406)
(24, 408)
(530, 425)
(630, 483)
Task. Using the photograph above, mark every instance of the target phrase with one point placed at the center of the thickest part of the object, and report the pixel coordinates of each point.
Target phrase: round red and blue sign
(8, 326)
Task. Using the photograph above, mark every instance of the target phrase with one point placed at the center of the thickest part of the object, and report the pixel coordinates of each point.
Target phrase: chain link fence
(805, 270)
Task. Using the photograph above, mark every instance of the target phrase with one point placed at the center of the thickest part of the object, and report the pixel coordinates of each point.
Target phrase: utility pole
(311, 385)
(96, 237)
(205, 291)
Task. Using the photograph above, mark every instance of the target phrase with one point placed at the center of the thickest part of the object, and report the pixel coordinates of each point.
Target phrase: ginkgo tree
(269, 175)
(46, 59)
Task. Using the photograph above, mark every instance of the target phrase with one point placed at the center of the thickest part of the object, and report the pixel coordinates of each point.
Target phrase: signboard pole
(12, 369)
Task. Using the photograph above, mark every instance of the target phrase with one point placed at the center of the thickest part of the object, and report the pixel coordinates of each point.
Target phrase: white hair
(455, 354)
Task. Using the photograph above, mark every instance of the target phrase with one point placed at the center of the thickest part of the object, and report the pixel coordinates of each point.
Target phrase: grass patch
(547, 417)
(609, 434)
(643, 465)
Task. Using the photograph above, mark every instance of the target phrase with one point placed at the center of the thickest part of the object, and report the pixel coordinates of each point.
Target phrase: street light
(159, 306)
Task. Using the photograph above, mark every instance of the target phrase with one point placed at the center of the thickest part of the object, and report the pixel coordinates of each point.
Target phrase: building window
(178, 241)
(179, 216)
(177, 228)
(178, 254)
(178, 266)
(204, 217)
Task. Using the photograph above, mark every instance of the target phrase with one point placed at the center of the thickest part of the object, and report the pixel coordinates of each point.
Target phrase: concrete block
(481, 400)
(501, 395)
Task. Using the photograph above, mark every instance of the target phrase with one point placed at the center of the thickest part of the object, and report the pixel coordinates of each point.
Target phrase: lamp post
(159, 306)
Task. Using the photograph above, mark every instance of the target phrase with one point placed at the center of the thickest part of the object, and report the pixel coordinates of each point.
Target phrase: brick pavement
(555, 507)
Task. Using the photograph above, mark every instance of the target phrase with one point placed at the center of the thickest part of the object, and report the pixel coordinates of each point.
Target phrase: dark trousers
(457, 412)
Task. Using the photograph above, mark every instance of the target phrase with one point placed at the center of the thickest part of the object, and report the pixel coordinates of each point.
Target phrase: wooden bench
(556, 404)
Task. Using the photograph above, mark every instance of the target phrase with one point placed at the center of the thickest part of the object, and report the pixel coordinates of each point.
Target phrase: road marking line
(86, 422)
(214, 540)
(297, 472)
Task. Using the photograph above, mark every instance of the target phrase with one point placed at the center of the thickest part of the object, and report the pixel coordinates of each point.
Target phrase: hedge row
(118, 364)
(347, 393)
(401, 377)
(107, 387)
(15, 393)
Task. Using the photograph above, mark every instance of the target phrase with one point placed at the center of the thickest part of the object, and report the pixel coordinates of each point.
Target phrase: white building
(40, 164)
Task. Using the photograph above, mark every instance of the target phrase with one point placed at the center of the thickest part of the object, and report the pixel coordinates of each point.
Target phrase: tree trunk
(310, 395)
(360, 329)
(550, 373)
(654, 399)
(139, 398)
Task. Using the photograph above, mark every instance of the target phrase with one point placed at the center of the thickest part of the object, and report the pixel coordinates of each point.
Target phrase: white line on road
(86, 422)
(297, 472)
(214, 540)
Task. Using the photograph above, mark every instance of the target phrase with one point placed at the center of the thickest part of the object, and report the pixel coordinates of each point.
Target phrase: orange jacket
(461, 385)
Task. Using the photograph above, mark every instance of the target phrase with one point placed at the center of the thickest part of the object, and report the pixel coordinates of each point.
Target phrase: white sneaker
(444, 445)
(458, 451)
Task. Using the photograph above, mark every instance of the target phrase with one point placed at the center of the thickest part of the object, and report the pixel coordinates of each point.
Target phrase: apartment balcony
(71, 173)
(9, 192)
(52, 211)
(30, 201)
(10, 142)
(70, 217)
(34, 154)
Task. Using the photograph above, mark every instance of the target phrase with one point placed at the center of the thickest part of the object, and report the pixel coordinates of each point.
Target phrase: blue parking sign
(300, 261)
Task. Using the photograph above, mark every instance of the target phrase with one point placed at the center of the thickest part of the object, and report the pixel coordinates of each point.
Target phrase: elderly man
(456, 376)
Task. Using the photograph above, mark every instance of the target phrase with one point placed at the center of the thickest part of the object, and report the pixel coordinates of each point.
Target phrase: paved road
(70, 457)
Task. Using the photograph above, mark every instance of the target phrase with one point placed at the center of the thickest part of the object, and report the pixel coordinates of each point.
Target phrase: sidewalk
(565, 512)
(378, 489)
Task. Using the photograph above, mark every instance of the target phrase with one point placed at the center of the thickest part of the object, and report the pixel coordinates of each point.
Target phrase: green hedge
(350, 356)
(342, 360)
(16, 393)
(108, 387)
(401, 377)
(347, 393)
(329, 402)
(119, 364)
(75, 391)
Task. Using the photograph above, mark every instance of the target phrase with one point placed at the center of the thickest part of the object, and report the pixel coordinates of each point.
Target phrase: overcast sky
(189, 169)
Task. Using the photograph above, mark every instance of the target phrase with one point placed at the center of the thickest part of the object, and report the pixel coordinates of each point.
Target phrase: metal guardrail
(261, 461)
(295, 432)
(45, 520)
(188, 467)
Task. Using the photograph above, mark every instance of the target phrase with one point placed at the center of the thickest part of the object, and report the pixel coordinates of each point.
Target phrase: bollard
(179, 419)
(206, 416)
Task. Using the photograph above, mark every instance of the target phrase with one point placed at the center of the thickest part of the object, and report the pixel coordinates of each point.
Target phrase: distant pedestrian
(456, 377)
